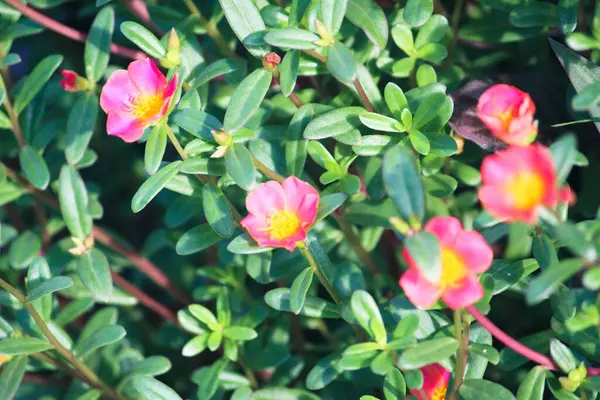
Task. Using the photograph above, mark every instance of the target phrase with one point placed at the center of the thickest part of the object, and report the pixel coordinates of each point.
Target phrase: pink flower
(464, 255)
(281, 214)
(73, 82)
(518, 181)
(435, 383)
(508, 113)
(135, 99)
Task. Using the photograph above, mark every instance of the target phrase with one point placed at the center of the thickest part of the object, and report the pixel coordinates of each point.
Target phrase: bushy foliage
(299, 199)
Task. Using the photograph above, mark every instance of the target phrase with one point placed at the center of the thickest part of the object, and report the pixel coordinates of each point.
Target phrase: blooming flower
(518, 181)
(72, 82)
(135, 99)
(281, 214)
(508, 113)
(464, 254)
(435, 383)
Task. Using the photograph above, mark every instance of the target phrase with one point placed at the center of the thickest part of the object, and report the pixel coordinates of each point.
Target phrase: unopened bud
(460, 143)
(173, 43)
(222, 138)
(400, 225)
(327, 37)
(74, 83)
(81, 246)
(173, 57)
(220, 152)
(270, 61)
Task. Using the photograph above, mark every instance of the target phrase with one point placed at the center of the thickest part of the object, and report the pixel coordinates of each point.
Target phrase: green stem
(211, 30)
(461, 333)
(79, 365)
(176, 143)
(456, 13)
(320, 275)
(266, 171)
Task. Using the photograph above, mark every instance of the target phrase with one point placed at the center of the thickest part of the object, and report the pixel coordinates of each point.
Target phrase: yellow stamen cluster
(147, 106)
(439, 393)
(283, 224)
(527, 190)
(453, 267)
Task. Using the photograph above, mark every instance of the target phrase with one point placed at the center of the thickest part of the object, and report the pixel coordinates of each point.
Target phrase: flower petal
(124, 125)
(146, 76)
(265, 199)
(434, 375)
(499, 204)
(307, 210)
(117, 91)
(295, 190)
(474, 251)
(468, 291)
(446, 229)
(420, 292)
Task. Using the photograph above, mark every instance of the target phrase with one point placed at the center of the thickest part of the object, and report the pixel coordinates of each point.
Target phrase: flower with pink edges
(518, 181)
(435, 383)
(72, 82)
(508, 112)
(135, 99)
(464, 254)
(281, 214)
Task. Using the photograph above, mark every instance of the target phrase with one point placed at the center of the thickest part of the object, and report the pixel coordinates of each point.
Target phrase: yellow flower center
(505, 117)
(283, 224)
(439, 393)
(527, 190)
(4, 358)
(453, 268)
(147, 106)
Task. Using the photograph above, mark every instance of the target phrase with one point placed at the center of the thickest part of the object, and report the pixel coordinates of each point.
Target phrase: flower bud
(271, 61)
(173, 57)
(327, 37)
(222, 138)
(73, 82)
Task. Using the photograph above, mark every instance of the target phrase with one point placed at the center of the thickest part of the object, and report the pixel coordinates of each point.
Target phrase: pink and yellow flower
(281, 214)
(518, 181)
(135, 99)
(508, 112)
(72, 82)
(464, 254)
(435, 383)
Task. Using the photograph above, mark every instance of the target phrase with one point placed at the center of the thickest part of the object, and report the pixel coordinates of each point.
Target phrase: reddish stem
(140, 10)
(593, 371)
(70, 32)
(510, 342)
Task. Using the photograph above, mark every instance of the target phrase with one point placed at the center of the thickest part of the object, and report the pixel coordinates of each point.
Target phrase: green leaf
(394, 386)
(534, 14)
(417, 12)
(331, 14)
(314, 307)
(395, 99)
(587, 98)
(323, 157)
(34, 167)
(427, 352)
(151, 366)
(341, 62)
(337, 122)
(73, 200)
(204, 166)
(155, 148)
(208, 379)
(368, 16)
(562, 356)
(198, 123)
(432, 52)
(199, 77)
(419, 141)
(380, 122)
(532, 387)
(217, 211)
(151, 389)
(97, 45)
(10, 60)
(283, 393)
(433, 31)
(73, 310)
(240, 333)
(240, 166)
(143, 38)
(246, 98)
(93, 269)
(153, 186)
(197, 239)
(15, 346)
(367, 314)
(292, 38)
(288, 72)
(244, 244)
(195, 346)
(426, 75)
(38, 273)
(543, 285)
(428, 110)
(486, 351)
(299, 289)
(297, 10)
(214, 340)
(544, 251)
(567, 15)
(80, 126)
(440, 185)
(323, 373)
(11, 377)
(49, 286)
(403, 38)
(205, 316)
(34, 82)
(480, 389)
(564, 152)
(244, 19)
(24, 250)
(581, 72)
(425, 251)
(330, 203)
(100, 338)
(403, 183)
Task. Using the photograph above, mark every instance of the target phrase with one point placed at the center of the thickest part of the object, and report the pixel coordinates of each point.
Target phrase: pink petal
(168, 96)
(295, 190)
(124, 125)
(468, 291)
(446, 229)
(434, 375)
(420, 292)
(265, 199)
(146, 76)
(500, 204)
(474, 250)
(307, 210)
(117, 92)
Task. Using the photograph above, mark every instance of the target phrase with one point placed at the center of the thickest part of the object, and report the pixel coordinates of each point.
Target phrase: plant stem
(363, 95)
(266, 171)
(461, 333)
(211, 30)
(354, 242)
(176, 143)
(63, 351)
(456, 13)
(510, 342)
(249, 374)
(317, 270)
(69, 32)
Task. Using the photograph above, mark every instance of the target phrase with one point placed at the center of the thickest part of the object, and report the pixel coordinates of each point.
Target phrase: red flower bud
(271, 60)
